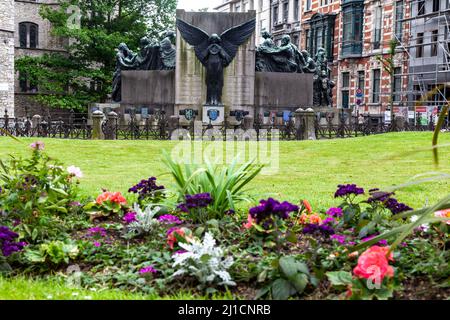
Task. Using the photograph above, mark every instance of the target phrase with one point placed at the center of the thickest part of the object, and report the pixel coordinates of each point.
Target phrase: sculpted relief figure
(216, 52)
(323, 85)
(271, 58)
(152, 55)
(124, 61)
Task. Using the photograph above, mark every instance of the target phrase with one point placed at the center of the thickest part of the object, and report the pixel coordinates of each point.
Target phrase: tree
(389, 66)
(83, 74)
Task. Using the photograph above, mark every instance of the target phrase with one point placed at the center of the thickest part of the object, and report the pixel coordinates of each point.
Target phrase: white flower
(75, 171)
(205, 261)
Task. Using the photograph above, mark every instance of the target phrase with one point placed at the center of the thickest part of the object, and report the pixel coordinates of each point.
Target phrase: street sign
(359, 96)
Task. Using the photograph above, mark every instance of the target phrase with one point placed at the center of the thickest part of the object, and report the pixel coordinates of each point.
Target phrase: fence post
(249, 122)
(97, 132)
(111, 126)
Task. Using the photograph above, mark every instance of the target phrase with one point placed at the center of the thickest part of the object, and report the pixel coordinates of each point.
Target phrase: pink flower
(115, 197)
(97, 244)
(38, 145)
(373, 263)
(443, 214)
(147, 270)
(75, 171)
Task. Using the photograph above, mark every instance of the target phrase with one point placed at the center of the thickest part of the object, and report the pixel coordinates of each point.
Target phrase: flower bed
(200, 235)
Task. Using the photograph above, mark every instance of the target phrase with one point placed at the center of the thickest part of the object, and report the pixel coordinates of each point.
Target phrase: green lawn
(309, 169)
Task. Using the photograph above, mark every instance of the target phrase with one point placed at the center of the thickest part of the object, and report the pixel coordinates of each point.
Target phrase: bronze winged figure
(215, 52)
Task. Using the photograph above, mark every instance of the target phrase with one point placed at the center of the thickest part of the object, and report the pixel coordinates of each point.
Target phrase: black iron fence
(159, 127)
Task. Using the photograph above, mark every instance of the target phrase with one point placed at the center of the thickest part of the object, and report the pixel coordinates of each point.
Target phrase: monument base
(214, 115)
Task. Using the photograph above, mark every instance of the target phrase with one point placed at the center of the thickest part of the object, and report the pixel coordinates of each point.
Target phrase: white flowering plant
(204, 260)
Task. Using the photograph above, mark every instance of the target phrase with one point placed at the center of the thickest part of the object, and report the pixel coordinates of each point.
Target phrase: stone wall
(7, 56)
(239, 76)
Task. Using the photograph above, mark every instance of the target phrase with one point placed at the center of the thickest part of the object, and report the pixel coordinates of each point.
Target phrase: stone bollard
(97, 119)
(111, 133)
(304, 124)
(400, 123)
(249, 122)
(174, 122)
(36, 120)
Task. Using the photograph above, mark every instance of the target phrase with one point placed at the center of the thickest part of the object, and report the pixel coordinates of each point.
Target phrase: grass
(53, 288)
(309, 169)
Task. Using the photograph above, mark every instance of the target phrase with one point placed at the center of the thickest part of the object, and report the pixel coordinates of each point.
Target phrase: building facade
(429, 61)
(32, 38)
(262, 8)
(7, 57)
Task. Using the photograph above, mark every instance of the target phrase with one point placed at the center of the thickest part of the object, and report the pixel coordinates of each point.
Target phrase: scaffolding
(424, 46)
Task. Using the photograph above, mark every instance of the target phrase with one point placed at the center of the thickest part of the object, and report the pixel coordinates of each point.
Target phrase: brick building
(7, 56)
(356, 33)
(32, 38)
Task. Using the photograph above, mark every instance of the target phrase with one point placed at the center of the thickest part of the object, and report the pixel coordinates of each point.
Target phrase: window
(321, 34)
(361, 80)
(434, 43)
(295, 40)
(28, 35)
(377, 27)
(419, 47)
(307, 39)
(421, 7)
(345, 89)
(238, 8)
(296, 9)
(285, 11)
(325, 2)
(436, 5)
(397, 84)
(275, 15)
(352, 28)
(417, 92)
(308, 5)
(345, 80)
(376, 85)
(398, 20)
(25, 84)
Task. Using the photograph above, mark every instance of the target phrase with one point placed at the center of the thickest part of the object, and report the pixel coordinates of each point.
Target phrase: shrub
(52, 253)
(144, 222)
(36, 190)
(225, 184)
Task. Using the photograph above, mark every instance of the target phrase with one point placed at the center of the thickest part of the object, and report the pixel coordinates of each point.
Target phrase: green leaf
(300, 281)
(282, 289)
(340, 278)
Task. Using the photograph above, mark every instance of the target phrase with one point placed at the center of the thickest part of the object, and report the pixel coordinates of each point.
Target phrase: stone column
(7, 56)
(111, 126)
(97, 119)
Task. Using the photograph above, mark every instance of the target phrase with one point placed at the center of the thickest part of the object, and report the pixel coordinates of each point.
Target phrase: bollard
(97, 119)
(111, 132)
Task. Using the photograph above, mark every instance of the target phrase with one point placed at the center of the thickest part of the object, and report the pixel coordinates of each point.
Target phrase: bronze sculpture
(124, 61)
(216, 52)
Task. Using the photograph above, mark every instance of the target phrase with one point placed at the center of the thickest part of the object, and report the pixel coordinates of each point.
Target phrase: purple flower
(75, 204)
(201, 200)
(229, 212)
(335, 212)
(382, 242)
(347, 190)
(129, 217)
(379, 196)
(314, 228)
(339, 238)
(396, 207)
(146, 188)
(170, 219)
(8, 244)
(147, 270)
(272, 208)
(329, 221)
(97, 244)
(97, 232)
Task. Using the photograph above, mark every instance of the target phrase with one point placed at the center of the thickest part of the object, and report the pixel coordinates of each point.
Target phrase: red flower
(172, 239)
(373, 263)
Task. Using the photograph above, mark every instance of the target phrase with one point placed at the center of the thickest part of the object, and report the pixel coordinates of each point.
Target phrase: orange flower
(172, 239)
(307, 206)
(315, 219)
(115, 197)
(249, 223)
(443, 214)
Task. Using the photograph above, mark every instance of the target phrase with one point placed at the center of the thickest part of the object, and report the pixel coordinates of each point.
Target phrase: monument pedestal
(214, 115)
